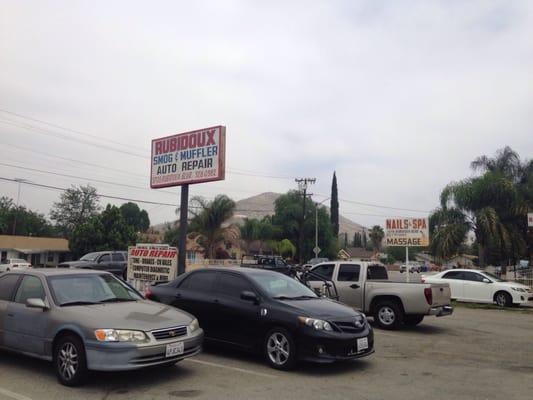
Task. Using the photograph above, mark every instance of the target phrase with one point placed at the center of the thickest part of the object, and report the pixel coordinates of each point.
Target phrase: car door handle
(355, 286)
(10, 315)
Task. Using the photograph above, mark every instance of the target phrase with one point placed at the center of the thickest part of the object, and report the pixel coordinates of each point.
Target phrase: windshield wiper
(115, 300)
(78, 303)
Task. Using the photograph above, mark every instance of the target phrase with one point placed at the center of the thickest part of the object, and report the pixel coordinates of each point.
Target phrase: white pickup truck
(364, 285)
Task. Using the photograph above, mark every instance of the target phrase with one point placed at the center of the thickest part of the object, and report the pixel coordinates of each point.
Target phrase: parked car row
(84, 320)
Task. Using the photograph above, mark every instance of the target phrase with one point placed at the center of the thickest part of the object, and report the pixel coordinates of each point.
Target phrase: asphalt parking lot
(474, 354)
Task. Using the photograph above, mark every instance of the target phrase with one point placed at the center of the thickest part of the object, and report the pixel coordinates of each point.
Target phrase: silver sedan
(90, 320)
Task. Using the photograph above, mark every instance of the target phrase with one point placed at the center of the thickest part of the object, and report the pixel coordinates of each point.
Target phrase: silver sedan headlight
(193, 326)
(120, 335)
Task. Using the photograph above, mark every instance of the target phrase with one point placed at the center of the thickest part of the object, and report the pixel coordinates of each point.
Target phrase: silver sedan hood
(143, 315)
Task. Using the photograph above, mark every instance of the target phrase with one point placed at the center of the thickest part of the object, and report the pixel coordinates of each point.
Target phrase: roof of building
(33, 244)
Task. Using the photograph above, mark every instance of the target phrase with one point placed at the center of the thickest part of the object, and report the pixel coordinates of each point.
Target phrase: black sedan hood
(321, 308)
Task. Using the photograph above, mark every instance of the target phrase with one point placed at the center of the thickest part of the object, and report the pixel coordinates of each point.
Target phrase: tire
(388, 315)
(413, 320)
(280, 350)
(70, 361)
(503, 299)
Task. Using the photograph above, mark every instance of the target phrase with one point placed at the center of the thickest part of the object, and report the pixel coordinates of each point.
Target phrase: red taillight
(148, 293)
(429, 295)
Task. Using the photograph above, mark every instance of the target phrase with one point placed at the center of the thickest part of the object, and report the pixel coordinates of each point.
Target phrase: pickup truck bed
(365, 286)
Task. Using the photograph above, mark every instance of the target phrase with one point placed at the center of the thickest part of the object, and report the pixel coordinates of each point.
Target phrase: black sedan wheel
(280, 350)
(70, 361)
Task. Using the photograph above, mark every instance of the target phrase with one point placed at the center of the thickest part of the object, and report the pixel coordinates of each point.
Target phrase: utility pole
(302, 185)
(19, 180)
(184, 213)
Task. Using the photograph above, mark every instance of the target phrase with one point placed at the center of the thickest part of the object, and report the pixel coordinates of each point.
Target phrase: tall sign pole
(184, 211)
(184, 159)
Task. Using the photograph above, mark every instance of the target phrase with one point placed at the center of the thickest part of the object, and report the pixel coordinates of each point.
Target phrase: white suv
(10, 264)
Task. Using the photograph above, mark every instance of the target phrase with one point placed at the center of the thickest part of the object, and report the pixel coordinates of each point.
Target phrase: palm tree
(376, 235)
(208, 221)
(487, 205)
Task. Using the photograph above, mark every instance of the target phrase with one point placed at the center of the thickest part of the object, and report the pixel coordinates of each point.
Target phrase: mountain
(263, 204)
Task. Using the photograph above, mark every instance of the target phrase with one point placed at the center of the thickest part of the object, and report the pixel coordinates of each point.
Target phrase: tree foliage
(376, 235)
(75, 207)
(208, 220)
(492, 205)
(135, 217)
(26, 222)
(105, 231)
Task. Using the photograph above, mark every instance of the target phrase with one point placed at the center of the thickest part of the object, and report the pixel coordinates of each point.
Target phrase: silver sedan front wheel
(70, 360)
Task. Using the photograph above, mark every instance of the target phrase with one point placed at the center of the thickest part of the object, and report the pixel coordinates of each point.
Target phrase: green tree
(208, 220)
(376, 235)
(28, 222)
(334, 206)
(364, 241)
(135, 217)
(286, 222)
(492, 205)
(106, 231)
(76, 206)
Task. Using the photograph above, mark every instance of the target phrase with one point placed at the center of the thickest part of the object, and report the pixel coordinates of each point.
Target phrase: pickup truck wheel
(388, 315)
(413, 320)
(503, 299)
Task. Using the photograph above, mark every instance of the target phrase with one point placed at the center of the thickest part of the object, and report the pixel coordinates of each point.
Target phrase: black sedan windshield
(90, 289)
(281, 286)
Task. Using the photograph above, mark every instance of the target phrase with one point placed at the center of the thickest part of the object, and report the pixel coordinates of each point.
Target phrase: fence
(206, 263)
(524, 276)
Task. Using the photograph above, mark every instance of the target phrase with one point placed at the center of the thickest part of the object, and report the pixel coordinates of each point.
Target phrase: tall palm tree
(208, 220)
(376, 235)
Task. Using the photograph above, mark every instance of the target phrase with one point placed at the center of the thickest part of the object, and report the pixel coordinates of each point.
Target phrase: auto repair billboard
(151, 263)
(190, 157)
(407, 232)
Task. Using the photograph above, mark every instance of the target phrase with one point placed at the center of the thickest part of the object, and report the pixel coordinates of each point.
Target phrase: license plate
(174, 349)
(362, 344)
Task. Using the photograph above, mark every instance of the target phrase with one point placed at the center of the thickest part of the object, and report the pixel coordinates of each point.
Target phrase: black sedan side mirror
(249, 296)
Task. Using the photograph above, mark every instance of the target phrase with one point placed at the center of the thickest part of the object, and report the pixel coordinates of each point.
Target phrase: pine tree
(334, 206)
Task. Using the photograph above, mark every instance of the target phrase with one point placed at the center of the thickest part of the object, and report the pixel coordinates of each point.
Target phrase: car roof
(464, 270)
(58, 272)
(241, 270)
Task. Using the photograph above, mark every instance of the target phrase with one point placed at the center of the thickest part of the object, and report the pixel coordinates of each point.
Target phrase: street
(473, 354)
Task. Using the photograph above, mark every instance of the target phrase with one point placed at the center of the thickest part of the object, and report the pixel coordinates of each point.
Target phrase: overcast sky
(398, 97)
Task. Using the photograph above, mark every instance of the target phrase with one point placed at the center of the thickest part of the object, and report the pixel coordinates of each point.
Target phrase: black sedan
(269, 313)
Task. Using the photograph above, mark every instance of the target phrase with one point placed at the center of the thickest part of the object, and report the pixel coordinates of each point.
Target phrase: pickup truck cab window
(349, 273)
(118, 257)
(7, 286)
(324, 270)
(105, 258)
(377, 271)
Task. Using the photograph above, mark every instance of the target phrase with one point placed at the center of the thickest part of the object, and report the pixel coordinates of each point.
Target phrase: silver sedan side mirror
(36, 303)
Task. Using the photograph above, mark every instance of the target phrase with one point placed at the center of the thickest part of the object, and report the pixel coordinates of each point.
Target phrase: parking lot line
(230, 368)
(13, 395)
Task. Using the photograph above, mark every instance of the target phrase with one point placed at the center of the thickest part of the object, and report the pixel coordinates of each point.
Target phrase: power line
(62, 189)
(377, 205)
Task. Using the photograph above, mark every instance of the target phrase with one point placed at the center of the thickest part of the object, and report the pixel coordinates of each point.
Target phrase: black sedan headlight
(317, 324)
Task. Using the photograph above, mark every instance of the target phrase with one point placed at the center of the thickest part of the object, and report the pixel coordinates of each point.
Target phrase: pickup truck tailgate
(441, 294)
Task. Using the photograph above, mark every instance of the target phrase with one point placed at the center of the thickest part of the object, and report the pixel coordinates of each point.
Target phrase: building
(38, 251)
(355, 252)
